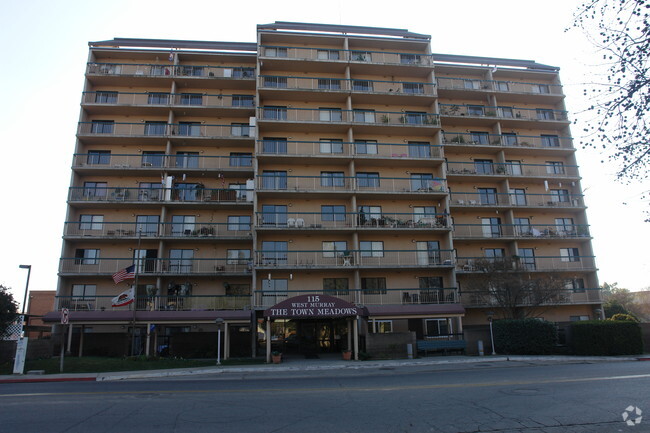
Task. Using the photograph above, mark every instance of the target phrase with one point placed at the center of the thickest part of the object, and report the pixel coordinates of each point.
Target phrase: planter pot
(276, 358)
(347, 355)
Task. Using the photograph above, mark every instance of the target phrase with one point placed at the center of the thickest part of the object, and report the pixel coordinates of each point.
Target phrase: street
(492, 397)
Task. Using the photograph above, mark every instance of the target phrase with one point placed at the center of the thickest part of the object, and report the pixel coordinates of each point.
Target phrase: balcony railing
(135, 195)
(158, 130)
(516, 199)
(529, 231)
(360, 220)
(157, 161)
(168, 71)
(339, 148)
(539, 263)
(155, 99)
(402, 296)
(453, 83)
(482, 299)
(544, 142)
(350, 184)
(340, 55)
(329, 84)
(156, 303)
(354, 258)
(94, 266)
(510, 113)
(513, 169)
(336, 116)
(144, 230)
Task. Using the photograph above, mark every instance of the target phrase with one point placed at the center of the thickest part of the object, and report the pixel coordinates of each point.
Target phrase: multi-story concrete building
(346, 169)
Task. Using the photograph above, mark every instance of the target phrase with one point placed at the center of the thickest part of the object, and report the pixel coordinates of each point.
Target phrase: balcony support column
(148, 341)
(268, 340)
(226, 342)
(81, 341)
(356, 338)
(349, 324)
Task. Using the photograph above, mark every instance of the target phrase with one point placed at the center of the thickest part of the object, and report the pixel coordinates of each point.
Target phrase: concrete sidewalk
(296, 364)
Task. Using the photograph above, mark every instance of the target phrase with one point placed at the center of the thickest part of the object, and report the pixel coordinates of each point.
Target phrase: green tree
(8, 308)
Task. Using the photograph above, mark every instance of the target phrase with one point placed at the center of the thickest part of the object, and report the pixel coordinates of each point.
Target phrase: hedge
(524, 336)
(606, 337)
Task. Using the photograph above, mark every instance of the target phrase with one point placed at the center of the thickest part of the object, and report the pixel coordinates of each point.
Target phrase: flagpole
(135, 291)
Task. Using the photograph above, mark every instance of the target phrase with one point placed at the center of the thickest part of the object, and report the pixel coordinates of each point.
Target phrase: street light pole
(490, 314)
(219, 322)
(29, 271)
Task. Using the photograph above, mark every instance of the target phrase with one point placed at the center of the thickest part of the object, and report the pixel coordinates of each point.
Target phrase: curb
(46, 379)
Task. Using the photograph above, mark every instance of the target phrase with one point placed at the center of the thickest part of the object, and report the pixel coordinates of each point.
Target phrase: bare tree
(516, 292)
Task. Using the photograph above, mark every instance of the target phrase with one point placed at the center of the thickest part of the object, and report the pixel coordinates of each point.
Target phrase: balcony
(323, 55)
(156, 303)
(154, 267)
(350, 221)
(516, 199)
(530, 264)
(518, 231)
(403, 296)
(131, 230)
(466, 85)
(511, 169)
(582, 296)
(549, 142)
(105, 131)
(156, 196)
(347, 184)
(187, 101)
(354, 259)
(110, 162)
(509, 116)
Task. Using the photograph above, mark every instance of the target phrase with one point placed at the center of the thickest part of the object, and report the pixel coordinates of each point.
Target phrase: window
(243, 72)
(334, 248)
(471, 84)
(409, 59)
(274, 215)
(364, 116)
(421, 181)
(183, 225)
(190, 71)
(550, 140)
(513, 167)
(332, 178)
(98, 157)
(416, 117)
(509, 139)
(522, 227)
(428, 252)
(275, 113)
(275, 285)
(491, 227)
(104, 97)
(102, 126)
(476, 110)
(243, 100)
(330, 114)
(93, 190)
(239, 222)
(569, 255)
(518, 197)
(275, 82)
(413, 88)
(419, 149)
(541, 88)
(187, 159)
(360, 56)
(362, 85)
(241, 159)
(149, 191)
(578, 318)
(191, 99)
(479, 137)
(237, 289)
(332, 213)
(180, 261)
(564, 226)
(272, 179)
(81, 292)
(153, 159)
(86, 256)
(327, 54)
(187, 191)
(374, 286)
(331, 145)
(430, 282)
(505, 112)
(576, 285)
(527, 258)
(371, 248)
(554, 167)
(238, 257)
(147, 225)
(145, 260)
(158, 98)
(368, 180)
(336, 286)
(501, 86)
(365, 147)
(381, 326)
(494, 253)
(545, 114)
(483, 166)
(240, 129)
(154, 128)
(329, 84)
(274, 252)
(274, 145)
(91, 222)
(487, 195)
(559, 195)
(369, 213)
(437, 327)
(241, 189)
(275, 52)
(420, 212)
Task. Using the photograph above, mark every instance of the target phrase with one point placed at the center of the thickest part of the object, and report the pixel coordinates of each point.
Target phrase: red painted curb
(643, 359)
(58, 379)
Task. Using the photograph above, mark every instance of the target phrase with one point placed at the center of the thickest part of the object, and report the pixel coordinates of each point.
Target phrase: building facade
(347, 170)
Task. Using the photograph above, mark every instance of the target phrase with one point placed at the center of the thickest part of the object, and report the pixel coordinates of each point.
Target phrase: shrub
(524, 336)
(606, 337)
(624, 318)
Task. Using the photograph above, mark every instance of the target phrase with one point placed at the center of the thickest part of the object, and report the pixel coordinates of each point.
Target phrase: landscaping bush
(620, 317)
(524, 336)
(606, 337)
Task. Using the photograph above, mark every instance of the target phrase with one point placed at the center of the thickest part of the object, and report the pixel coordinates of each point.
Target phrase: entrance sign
(313, 306)
(65, 316)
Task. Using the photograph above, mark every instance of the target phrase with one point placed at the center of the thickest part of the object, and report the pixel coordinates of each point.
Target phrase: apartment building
(307, 192)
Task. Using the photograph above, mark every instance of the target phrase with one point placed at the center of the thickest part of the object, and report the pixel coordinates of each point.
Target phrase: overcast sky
(43, 61)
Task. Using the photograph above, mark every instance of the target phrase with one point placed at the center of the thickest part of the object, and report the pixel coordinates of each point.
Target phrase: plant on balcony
(500, 169)
(206, 231)
(457, 139)
(402, 119)
(490, 113)
(384, 119)
(496, 141)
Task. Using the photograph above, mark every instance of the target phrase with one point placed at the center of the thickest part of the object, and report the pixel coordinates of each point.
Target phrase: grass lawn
(90, 364)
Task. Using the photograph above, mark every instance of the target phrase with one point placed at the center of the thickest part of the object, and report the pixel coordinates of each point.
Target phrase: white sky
(43, 61)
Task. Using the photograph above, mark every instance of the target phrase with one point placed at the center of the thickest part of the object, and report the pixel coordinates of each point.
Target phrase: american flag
(127, 273)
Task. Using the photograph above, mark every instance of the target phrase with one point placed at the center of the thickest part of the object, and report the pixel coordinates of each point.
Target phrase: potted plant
(347, 354)
(276, 357)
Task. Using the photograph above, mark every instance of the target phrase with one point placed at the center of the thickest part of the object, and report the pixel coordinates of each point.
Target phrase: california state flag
(124, 298)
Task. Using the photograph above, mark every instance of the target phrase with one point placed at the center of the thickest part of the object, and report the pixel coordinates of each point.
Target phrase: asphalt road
(498, 397)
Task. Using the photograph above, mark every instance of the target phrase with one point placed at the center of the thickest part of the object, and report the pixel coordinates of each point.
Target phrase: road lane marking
(338, 388)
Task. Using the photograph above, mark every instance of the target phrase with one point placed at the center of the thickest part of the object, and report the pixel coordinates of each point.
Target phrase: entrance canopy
(313, 306)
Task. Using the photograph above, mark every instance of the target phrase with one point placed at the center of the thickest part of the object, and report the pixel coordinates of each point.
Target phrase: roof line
(337, 28)
(529, 64)
(172, 43)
